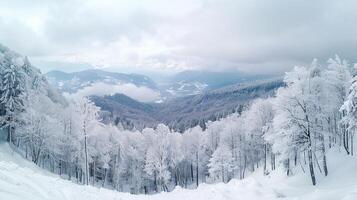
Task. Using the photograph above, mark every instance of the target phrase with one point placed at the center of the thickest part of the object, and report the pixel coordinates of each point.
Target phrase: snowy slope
(20, 180)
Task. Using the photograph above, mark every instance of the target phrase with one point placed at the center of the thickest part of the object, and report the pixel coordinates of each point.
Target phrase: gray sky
(265, 36)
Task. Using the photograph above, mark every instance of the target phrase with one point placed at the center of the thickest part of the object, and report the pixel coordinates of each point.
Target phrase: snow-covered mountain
(184, 112)
(72, 82)
(179, 85)
(198, 82)
(185, 88)
(98, 82)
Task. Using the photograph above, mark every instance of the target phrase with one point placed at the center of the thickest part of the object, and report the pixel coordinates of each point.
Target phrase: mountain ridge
(74, 81)
(183, 112)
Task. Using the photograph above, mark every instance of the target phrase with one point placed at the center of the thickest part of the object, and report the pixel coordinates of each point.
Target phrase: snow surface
(19, 62)
(22, 180)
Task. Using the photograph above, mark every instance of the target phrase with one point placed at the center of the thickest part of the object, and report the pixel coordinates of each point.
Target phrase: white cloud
(142, 94)
(250, 35)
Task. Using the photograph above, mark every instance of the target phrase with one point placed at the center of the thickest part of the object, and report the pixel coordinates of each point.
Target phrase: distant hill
(197, 82)
(72, 82)
(121, 109)
(215, 79)
(179, 85)
(184, 112)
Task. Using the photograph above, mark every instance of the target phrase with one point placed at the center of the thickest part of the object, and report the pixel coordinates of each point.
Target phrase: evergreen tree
(11, 96)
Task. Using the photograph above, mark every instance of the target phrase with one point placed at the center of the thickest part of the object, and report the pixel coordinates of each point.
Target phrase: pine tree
(11, 97)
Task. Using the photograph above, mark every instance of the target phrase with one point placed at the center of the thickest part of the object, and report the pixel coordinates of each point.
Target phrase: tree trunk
(265, 158)
(86, 160)
(288, 167)
(240, 166)
(77, 176)
(252, 159)
(245, 165)
(9, 134)
(197, 169)
(191, 172)
(351, 143)
(186, 177)
(272, 161)
(155, 182)
(311, 166)
(118, 170)
(94, 172)
(69, 171)
(324, 157)
(60, 167)
(105, 177)
(176, 182)
(345, 141)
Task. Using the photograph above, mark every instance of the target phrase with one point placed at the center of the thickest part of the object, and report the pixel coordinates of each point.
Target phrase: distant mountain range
(184, 112)
(215, 80)
(72, 82)
(188, 99)
(179, 85)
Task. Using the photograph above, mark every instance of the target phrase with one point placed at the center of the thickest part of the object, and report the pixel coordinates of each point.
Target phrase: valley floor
(21, 180)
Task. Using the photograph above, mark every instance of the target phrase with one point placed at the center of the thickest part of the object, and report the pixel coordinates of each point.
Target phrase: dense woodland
(295, 128)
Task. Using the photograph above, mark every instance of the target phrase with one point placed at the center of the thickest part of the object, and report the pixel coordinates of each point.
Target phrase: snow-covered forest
(296, 128)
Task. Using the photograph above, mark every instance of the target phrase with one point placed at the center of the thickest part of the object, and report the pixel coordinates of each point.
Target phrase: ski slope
(22, 180)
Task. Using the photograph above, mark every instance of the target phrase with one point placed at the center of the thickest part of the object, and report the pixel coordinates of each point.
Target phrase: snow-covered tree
(338, 79)
(157, 157)
(349, 110)
(298, 124)
(39, 128)
(11, 94)
(176, 155)
(221, 163)
(193, 146)
(257, 123)
(293, 123)
(88, 118)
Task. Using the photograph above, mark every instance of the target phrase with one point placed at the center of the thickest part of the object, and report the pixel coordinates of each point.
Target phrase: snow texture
(20, 179)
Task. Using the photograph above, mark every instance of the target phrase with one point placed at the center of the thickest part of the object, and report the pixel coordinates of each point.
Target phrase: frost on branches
(314, 112)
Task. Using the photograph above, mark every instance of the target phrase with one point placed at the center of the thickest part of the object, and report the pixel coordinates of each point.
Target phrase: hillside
(192, 82)
(21, 179)
(29, 73)
(215, 80)
(119, 108)
(185, 112)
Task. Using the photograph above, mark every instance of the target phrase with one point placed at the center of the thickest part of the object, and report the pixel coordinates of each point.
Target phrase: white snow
(60, 84)
(20, 179)
(19, 62)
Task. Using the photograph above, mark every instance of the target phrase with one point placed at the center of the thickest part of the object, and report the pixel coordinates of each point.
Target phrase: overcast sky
(265, 36)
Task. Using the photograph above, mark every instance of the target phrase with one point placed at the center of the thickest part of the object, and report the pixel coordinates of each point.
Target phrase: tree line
(295, 128)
